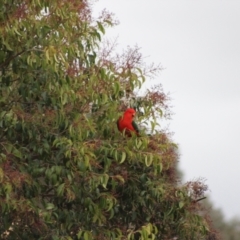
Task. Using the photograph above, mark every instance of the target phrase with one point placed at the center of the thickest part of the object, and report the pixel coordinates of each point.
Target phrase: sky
(197, 42)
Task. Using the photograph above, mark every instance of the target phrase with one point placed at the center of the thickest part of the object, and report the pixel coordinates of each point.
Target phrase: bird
(126, 123)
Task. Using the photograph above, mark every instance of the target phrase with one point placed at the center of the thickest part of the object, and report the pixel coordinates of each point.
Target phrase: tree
(65, 171)
(228, 230)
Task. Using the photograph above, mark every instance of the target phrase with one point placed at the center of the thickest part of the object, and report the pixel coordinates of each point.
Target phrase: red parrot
(126, 123)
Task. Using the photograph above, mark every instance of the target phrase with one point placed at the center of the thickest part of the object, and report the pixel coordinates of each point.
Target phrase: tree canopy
(65, 170)
(229, 229)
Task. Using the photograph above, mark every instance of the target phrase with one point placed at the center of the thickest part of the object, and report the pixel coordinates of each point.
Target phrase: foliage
(228, 229)
(65, 171)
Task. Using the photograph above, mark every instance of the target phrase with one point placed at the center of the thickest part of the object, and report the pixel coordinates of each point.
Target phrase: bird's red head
(130, 112)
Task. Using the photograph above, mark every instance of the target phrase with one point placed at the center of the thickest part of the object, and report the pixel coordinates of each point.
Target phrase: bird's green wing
(135, 126)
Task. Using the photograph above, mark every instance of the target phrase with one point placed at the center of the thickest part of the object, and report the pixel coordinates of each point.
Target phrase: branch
(200, 199)
(10, 59)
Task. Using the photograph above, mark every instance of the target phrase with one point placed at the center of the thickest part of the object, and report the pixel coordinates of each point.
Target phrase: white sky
(198, 44)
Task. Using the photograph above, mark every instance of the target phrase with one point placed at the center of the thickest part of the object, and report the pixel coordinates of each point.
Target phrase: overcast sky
(198, 44)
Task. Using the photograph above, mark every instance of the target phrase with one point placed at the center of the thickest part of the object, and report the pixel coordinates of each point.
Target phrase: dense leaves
(65, 171)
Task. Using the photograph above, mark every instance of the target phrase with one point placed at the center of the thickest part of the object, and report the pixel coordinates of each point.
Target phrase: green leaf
(86, 236)
(123, 158)
(144, 233)
(7, 45)
(100, 26)
(159, 167)
(17, 153)
(49, 206)
(104, 180)
(148, 160)
(60, 189)
(120, 178)
(181, 204)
